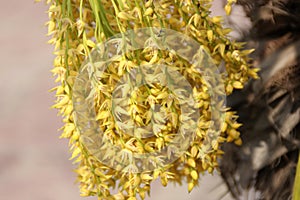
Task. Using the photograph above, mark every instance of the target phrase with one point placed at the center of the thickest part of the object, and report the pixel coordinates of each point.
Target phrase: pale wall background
(34, 163)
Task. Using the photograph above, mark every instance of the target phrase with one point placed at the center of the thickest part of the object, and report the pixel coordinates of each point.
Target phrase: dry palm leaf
(269, 108)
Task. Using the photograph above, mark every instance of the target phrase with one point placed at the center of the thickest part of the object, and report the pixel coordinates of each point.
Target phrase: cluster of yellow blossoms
(78, 26)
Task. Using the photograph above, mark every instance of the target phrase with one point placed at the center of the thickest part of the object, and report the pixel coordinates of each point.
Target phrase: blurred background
(34, 162)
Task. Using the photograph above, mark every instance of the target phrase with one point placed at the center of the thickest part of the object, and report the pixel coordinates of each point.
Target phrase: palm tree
(269, 108)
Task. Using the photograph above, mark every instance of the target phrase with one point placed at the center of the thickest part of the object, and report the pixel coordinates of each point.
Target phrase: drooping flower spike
(78, 29)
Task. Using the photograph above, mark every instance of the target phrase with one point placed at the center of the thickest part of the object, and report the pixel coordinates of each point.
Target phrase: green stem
(296, 191)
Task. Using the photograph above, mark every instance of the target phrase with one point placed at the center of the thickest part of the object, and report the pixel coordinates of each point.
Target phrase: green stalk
(296, 191)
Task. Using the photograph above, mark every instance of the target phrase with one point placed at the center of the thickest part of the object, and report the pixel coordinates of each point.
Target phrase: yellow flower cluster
(77, 26)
